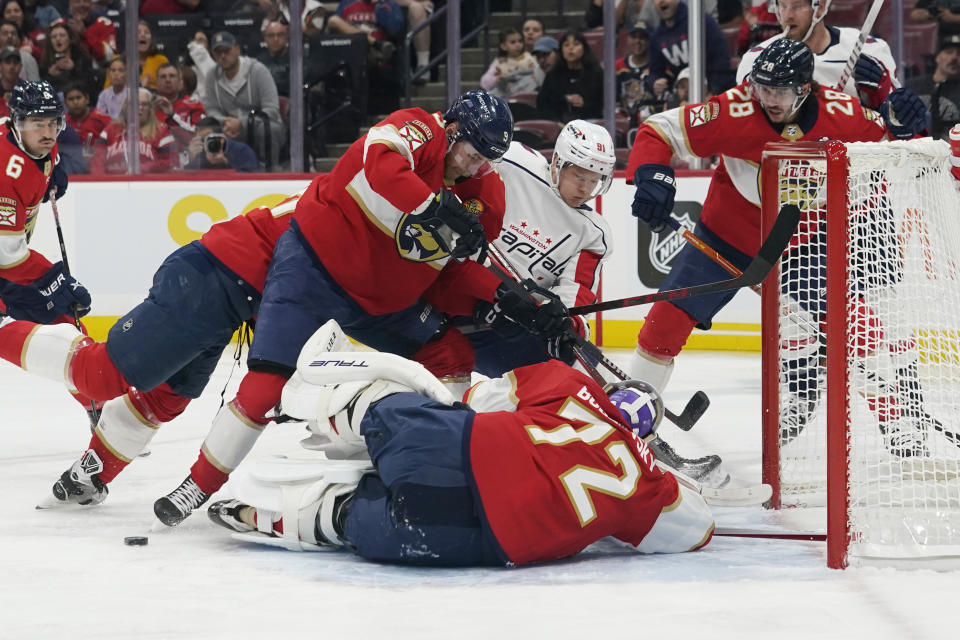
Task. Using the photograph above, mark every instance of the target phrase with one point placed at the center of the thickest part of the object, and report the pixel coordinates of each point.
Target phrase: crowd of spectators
(221, 70)
(213, 92)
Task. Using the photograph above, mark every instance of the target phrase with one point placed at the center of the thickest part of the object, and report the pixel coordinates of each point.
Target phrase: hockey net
(861, 346)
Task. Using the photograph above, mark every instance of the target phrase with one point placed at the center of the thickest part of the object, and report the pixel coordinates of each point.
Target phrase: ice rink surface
(67, 573)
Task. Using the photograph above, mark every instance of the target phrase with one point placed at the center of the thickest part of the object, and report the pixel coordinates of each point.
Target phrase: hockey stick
(584, 350)
(94, 412)
(707, 250)
(858, 45)
(773, 246)
(734, 532)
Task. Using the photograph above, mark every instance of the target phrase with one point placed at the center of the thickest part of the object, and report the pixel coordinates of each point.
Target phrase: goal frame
(837, 400)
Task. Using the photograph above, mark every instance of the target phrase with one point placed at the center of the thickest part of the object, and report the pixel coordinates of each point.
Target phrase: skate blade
(51, 502)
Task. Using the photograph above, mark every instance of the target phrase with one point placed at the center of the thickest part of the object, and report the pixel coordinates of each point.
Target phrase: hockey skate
(706, 470)
(233, 515)
(173, 508)
(240, 518)
(79, 484)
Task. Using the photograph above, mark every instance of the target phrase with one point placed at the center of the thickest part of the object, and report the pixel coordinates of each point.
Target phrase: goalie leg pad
(301, 494)
(685, 525)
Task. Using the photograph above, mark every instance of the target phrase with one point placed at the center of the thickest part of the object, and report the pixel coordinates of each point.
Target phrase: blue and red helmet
(484, 121)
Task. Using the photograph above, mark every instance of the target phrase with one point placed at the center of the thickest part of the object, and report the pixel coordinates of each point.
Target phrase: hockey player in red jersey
(160, 354)
(365, 243)
(780, 102)
(31, 288)
(542, 463)
(552, 237)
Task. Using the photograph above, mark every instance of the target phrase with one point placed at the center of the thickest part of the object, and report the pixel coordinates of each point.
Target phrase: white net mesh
(903, 347)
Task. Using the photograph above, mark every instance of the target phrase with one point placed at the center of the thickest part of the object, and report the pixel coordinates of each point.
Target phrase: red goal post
(861, 347)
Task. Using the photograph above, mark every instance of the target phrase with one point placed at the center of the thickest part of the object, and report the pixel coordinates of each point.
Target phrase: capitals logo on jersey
(417, 243)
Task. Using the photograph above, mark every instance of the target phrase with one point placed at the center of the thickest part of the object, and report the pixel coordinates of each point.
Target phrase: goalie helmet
(585, 145)
(484, 121)
(815, 5)
(638, 403)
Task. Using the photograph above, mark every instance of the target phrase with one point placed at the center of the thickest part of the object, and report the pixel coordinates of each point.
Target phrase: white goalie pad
(296, 489)
(335, 368)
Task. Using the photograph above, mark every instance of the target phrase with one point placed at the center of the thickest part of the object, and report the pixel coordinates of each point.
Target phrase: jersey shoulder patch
(8, 212)
(415, 134)
(703, 113)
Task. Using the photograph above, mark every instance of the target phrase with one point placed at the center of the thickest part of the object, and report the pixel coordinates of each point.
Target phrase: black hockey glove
(50, 296)
(561, 347)
(653, 201)
(58, 183)
(444, 215)
(904, 113)
(519, 302)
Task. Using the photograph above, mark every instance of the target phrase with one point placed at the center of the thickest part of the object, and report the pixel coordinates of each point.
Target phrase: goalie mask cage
(861, 347)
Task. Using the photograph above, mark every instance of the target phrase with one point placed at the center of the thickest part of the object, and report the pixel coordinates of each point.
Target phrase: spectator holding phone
(211, 149)
(64, 60)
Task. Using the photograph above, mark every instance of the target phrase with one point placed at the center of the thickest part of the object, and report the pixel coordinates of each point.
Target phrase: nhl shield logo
(665, 246)
(416, 243)
(656, 252)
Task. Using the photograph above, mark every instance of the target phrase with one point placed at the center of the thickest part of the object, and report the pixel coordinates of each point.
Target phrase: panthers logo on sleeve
(416, 243)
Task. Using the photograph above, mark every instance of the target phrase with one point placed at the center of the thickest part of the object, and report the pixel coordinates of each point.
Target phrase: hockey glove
(58, 183)
(444, 215)
(904, 113)
(561, 347)
(518, 302)
(872, 80)
(50, 296)
(653, 201)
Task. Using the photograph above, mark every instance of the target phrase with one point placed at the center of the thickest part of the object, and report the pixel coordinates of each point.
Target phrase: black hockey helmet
(38, 99)
(484, 121)
(784, 63)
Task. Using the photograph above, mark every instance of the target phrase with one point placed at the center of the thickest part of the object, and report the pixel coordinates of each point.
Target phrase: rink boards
(117, 232)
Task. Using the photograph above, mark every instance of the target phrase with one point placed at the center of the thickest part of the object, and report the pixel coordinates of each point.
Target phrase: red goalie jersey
(555, 470)
(733, 126)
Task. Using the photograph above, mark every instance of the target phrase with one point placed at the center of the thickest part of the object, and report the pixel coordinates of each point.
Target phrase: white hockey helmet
(588, 146)
(815, 4)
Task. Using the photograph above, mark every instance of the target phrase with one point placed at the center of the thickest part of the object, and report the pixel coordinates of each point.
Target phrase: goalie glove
(904, 113)
(446, 216)
(54, 294)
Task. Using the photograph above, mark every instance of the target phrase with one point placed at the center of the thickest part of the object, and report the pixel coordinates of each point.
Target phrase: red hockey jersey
(23, 182)
(558, 470)
(245, 244)
(357, 220)
(733, 126)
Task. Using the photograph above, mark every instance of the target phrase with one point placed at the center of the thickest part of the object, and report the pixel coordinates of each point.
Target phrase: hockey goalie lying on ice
(542, 463)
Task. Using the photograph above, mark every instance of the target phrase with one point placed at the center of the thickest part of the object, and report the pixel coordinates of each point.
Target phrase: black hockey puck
(135, 541)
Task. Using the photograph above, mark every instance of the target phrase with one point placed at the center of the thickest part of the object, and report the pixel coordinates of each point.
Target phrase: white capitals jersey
(828, 65)
(559, 247)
